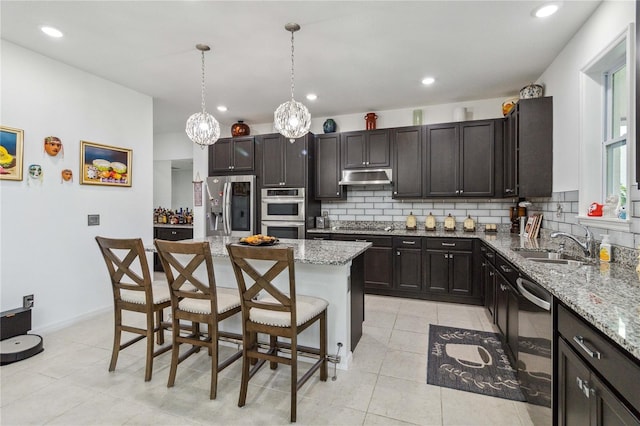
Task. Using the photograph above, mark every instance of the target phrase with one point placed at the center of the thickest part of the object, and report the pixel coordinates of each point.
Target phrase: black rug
(475, 361)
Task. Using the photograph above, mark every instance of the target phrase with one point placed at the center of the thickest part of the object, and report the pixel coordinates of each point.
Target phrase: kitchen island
(332, 270)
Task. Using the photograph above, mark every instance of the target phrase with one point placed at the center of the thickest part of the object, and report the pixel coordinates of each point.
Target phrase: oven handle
(283, 223)
(292, 200)
(531, 297)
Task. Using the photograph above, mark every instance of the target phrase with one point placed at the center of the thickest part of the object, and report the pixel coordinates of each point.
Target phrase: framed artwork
(11, 153)
(104, 165)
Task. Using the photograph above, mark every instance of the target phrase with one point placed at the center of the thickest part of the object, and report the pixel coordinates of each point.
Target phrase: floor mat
(475, 361)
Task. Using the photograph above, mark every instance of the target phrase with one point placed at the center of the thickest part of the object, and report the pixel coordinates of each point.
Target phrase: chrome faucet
(587, 247)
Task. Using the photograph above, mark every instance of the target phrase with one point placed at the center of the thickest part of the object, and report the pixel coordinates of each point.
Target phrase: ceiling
(355, 55)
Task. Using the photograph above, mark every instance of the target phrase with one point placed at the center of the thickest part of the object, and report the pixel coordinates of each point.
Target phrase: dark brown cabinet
(506, 311)
(407, 161)
(365, 149)
(378, 262)
(488, 278)
(169, 234)
(460, 159)
(408, 264)
(231, 155)
(593, 383)
(528, 149)
(448, 269)
(284, 163)
(328, 168)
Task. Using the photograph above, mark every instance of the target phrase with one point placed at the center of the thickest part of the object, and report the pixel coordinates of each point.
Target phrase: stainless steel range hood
(366, 177)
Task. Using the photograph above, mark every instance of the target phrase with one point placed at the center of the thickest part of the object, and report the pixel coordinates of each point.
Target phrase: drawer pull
(408, 242)
(173, 232)
(490, 255)
(506, 269)
(483, 249)
(448, 244)
(580, 342)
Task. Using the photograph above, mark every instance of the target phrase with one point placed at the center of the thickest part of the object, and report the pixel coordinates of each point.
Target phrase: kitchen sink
(548, 257)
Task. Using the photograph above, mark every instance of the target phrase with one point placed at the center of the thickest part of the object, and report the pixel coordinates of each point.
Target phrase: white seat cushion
(160, 294)
(307, 307)
(228, 299)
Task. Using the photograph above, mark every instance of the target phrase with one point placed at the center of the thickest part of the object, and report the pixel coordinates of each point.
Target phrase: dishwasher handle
(531, 297)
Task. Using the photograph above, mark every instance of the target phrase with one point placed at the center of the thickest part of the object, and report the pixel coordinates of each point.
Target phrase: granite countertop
(607, 296)
(168, 225)
(312, 252)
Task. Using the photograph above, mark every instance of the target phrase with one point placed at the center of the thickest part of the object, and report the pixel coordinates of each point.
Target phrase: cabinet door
(437, 271)
(272, 160)
(461, 281)
(378, 148)
(408, 269)
(489, 289)
(606, 408)
(295, 162)
(220, 157)
(502, 303)
(243, 154)
(328, 167)
(573, 391)
(378, 267)
(353, 150)
(407, 162)
(477, 153)
(441, 169)
(535, 147)
(509, 172)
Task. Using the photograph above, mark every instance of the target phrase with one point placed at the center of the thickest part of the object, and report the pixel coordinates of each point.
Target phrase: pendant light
(292, 118)
(202, 127)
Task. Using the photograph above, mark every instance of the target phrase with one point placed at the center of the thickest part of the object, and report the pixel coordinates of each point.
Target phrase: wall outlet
(27, 301)
(93, 219)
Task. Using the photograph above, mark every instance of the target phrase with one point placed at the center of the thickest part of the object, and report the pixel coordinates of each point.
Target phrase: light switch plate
(93, 219)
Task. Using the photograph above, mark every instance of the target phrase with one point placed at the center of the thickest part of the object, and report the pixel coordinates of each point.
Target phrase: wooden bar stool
(276, 314)
(134, 291)
(207, 305)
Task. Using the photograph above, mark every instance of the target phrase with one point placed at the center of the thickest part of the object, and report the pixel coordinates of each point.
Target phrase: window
(604, 120)
(615, 136)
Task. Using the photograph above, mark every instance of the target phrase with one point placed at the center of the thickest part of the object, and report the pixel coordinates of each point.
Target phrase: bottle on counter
(605, 249)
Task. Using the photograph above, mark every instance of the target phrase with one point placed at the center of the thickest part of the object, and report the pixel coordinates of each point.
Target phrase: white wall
(181, 189)
(561, 80)
(46, 247)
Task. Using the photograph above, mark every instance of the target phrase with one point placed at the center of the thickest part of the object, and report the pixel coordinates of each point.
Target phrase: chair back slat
(121, 256)
(283, 261)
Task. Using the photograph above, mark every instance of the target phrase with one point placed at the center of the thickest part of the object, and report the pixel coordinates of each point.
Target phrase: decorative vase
(370, 120)
(240, 129)
(329, 126)
(531, 91)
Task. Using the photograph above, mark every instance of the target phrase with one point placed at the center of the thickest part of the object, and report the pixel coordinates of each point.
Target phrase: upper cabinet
(366, 149)
(460, 159)
(284, 163)
(528, 149)
(328, 167)
(231, 155)
(407, 161)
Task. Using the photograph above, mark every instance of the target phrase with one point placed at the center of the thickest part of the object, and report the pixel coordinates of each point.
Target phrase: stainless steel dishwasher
(535, 334)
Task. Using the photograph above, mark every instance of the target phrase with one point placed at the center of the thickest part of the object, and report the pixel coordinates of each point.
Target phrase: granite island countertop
(312, 252)
(607, 297)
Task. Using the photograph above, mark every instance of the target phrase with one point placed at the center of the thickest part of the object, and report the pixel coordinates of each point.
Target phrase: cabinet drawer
(408, 242)
(174, 234)
(377, 241)
(610, 362)
(505, 267)
(449, 244)
(488, 253)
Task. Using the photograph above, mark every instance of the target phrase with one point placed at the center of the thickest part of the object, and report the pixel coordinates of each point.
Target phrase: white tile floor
(68, 383)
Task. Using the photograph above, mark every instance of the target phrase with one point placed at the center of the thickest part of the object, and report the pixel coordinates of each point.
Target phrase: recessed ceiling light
(51, 32)
(545, 10)
(312, 97)
(428, 80)
(222, 108)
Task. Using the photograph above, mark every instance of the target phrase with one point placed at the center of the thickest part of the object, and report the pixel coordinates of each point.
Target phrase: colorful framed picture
(104, 165)
(11, 153)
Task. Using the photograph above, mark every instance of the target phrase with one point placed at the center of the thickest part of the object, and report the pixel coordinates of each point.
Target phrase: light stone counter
(607, 297)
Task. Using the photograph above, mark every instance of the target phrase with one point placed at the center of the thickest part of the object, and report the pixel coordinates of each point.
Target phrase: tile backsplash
(560, 211)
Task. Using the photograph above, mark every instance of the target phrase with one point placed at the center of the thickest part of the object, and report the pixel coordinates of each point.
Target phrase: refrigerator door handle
(227, 208)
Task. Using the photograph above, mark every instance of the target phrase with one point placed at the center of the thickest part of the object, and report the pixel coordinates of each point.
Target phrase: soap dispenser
(605, 249)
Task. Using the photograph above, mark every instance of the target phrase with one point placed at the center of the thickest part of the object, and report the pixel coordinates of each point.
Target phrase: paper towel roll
(460, 114)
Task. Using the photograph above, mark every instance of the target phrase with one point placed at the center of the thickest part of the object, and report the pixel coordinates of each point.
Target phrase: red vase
(370, 120)
(240, 129)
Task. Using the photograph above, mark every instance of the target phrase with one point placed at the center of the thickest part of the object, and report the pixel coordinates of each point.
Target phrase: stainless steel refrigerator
(231, 206)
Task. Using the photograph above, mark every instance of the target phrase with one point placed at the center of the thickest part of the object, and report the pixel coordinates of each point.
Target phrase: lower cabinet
(597, 384)
(169, 234)
(506, 311)
(378, 262)
(488, 279)
(449, 270)
(408, 264)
